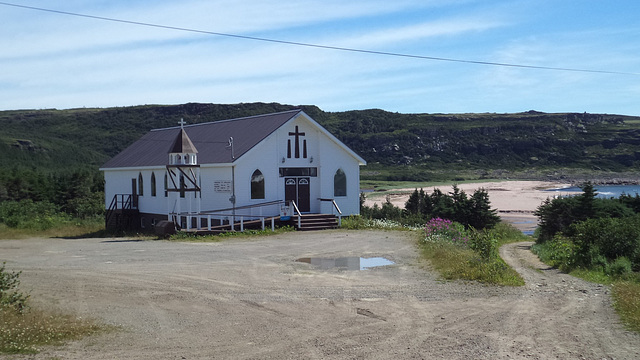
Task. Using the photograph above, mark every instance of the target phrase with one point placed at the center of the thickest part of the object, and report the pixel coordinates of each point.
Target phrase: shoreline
(515, 201)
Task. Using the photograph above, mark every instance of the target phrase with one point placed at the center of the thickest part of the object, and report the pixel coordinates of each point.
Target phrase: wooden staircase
(123, 213)
(310, 222)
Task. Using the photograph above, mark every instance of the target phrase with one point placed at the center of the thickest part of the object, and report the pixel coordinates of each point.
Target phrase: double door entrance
(297, 189)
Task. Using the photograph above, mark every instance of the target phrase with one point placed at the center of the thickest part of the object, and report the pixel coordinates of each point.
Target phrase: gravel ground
(251, 299)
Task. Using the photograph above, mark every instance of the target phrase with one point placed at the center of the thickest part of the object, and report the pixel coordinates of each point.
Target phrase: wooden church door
(297, 189)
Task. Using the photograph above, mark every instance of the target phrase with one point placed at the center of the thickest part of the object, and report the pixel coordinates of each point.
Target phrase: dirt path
(253, 300)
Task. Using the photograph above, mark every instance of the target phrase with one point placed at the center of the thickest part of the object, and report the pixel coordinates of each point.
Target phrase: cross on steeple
(182, 123)
(297, 134)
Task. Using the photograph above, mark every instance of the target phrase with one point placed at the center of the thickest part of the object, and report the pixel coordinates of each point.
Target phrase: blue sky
(51, 60)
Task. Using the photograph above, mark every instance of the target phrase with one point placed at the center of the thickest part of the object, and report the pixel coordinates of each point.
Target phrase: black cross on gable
(297, 135)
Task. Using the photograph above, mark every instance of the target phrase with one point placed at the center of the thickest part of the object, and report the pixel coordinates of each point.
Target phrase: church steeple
(183, 152)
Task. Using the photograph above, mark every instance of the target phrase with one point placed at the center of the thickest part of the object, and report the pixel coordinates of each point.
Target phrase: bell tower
(183, 171)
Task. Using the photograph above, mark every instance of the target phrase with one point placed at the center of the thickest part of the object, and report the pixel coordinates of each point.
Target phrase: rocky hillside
(52, 140)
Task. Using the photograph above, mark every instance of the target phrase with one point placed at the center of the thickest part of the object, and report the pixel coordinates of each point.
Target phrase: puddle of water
(347, 263)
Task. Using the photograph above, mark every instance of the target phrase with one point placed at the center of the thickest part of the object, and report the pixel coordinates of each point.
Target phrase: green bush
(558, 252)
(619, 267)
(9, 295)
(485, 244)
(472, 212)
(559, 214)
(27, 214)
(599, 241)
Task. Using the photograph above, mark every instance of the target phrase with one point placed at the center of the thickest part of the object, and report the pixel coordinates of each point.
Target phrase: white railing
(336, 208)
(296, 210)
(232, 216)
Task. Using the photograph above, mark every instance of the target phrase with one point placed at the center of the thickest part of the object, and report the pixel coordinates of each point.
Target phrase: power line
(318, 46)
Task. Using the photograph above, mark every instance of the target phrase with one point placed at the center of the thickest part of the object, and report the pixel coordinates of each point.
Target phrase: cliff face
(87, 137)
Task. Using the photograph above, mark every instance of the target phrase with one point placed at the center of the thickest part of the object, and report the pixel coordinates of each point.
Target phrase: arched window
(166, 185)
(257, 185)
(140, 185)
(153, 184)
(340, 183)
(182, 185)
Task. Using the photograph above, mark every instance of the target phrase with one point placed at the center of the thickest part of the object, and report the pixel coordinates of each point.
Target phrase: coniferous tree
(586, 209)
(412, 205)
(461, 206)
(482, 215)
(426, 206)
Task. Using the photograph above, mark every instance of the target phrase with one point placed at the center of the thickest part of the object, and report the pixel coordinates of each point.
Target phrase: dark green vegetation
(472, 212)
(10, 297)
(592, 232)
(24, 328)
(397, 146)
(596, 239)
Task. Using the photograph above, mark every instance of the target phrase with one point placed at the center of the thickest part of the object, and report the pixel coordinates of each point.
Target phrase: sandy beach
(515, 200)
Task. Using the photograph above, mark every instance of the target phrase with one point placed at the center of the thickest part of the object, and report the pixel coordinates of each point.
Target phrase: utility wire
(318, 46)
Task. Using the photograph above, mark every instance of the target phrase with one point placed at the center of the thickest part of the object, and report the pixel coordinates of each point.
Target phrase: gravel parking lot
(251, 299)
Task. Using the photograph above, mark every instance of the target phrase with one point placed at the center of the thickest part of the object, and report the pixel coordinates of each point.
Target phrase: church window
(140, 185)
(182, 185)
(166, 185)
(257, 185)
(340, 183)
(153, 184)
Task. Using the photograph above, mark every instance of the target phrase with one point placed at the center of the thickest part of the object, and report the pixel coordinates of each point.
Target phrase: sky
(54, 60)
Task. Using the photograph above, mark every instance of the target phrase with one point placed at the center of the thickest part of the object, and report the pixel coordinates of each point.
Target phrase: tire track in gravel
(251, 299)
(577, 317)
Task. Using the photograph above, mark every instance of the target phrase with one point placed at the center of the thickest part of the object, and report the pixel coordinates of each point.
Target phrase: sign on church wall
(222, 186)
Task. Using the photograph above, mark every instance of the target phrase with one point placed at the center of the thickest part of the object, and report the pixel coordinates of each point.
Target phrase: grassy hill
(397, 146)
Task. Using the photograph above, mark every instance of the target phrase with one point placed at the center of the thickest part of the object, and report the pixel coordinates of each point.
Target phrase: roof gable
(211, 139)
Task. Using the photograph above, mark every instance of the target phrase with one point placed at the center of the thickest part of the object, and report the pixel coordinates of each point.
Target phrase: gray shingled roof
(211, 139)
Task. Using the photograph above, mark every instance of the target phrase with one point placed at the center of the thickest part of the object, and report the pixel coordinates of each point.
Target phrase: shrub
(26, 214)
(600, 240)
(619, 267)
(446, 230)
(558, 252)
(9, 295)
(485, 244)
(557, 215)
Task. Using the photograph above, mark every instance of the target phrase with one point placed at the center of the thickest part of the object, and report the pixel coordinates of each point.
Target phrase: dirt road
(251, 299)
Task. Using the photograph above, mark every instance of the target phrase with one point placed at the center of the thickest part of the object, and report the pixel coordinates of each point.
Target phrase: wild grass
(455, 262)
(67, 228)
(28, 332)
(189, 237)
(24, 328)
(357, 222)
(626, 298)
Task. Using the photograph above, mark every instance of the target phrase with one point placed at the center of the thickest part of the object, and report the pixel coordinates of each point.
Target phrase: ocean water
(605, 191)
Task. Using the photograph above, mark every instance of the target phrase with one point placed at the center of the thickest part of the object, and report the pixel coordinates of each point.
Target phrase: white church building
(234, 172)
